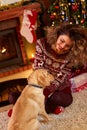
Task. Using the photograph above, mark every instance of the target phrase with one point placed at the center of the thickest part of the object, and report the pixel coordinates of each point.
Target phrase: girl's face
(63, 44)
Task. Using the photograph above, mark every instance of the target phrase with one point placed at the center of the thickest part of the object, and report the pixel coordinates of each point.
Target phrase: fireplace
(10, 51)
(13, 57)
(11, 45)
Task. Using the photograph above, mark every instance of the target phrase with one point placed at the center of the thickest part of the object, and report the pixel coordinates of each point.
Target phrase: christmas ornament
(82, 21)
(74, 7)
(72, 1)
(29, 25)
(52, 16)
(56, 7)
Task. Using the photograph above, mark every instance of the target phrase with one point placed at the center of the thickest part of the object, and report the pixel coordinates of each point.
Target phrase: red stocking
(28, 25)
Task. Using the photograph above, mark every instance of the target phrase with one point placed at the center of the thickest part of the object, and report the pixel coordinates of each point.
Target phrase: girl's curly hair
(78, 53)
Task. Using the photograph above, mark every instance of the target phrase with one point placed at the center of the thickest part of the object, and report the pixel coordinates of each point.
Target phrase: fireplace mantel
(18, 11)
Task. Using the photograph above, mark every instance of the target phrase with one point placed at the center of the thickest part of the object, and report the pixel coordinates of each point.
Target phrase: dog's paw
(50, 119)
(47, 120)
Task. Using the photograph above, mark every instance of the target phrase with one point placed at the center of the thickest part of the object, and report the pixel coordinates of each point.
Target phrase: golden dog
(30, 103)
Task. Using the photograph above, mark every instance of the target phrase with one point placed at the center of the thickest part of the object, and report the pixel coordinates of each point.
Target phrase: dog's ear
(41, 80)
(32, 78)
(40, 77)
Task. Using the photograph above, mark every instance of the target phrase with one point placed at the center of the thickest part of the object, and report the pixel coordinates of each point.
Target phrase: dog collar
(34, 85)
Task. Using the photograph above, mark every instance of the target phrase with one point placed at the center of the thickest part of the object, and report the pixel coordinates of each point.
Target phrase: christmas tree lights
(74, 11)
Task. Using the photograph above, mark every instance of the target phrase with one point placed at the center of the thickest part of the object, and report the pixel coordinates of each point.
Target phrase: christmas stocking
(29, 25)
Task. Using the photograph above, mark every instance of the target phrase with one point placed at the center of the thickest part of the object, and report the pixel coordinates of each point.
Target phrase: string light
(73, 11)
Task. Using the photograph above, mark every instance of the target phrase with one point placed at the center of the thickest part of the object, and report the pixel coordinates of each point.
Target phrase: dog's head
(40, 77)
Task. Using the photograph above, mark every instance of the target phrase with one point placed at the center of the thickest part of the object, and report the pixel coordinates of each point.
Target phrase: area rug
(74, 117)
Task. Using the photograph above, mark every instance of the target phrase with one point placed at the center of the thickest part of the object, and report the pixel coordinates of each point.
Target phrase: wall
(30, 48)
(4, 2)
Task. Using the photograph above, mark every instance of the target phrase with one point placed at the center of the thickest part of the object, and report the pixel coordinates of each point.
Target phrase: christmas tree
(73, 11)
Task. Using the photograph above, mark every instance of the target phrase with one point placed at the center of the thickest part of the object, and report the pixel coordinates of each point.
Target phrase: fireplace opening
(10, 51)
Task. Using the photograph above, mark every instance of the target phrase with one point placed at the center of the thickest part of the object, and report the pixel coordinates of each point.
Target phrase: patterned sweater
(56, 66)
